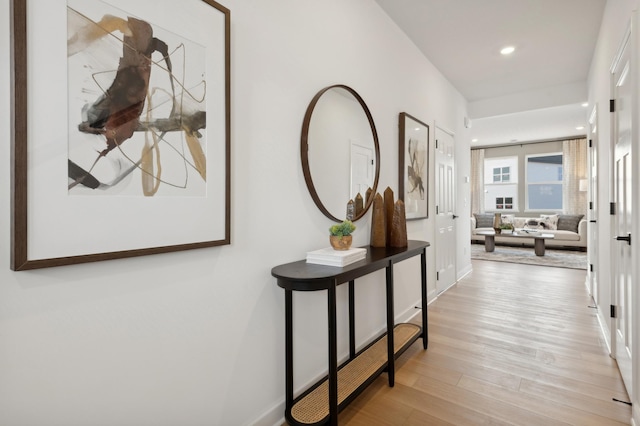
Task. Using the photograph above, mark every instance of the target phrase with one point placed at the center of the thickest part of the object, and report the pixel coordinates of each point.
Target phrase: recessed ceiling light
(586, 104)
(579, 127)
(474, 140)
(508, 50)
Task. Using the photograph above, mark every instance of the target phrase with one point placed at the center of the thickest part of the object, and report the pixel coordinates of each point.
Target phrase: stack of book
(329, 256)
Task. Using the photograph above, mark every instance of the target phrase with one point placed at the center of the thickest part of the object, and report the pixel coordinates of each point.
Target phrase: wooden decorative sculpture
(398, 226)
(351, 210)
(388, 211)
(378, 223)
(359, 204)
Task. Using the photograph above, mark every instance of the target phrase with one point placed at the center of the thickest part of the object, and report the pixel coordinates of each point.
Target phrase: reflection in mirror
(340, 152)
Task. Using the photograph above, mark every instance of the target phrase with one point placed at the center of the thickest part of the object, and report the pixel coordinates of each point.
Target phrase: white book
(332, 262)
(329, 256)
(337, 259)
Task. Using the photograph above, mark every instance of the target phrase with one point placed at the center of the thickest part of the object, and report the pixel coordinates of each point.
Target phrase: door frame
(635, 205)
(593, 211)
(437, 129)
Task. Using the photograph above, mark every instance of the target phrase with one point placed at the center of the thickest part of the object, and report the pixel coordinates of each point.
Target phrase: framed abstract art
(413, 166)
(120, 133)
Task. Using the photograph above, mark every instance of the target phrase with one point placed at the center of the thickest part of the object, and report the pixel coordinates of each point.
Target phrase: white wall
(197, 337)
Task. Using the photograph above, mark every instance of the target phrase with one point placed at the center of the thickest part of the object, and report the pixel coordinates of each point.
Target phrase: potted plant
(340, 235)
(506, 228)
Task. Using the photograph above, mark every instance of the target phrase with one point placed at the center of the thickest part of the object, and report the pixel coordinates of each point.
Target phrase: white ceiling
(534, 94)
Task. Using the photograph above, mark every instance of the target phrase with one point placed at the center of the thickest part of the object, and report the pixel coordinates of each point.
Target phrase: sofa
(568, 230)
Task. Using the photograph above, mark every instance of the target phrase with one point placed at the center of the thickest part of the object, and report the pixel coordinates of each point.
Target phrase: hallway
(510, 344)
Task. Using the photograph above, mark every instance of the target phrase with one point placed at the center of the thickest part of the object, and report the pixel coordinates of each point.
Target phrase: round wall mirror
(340, 152)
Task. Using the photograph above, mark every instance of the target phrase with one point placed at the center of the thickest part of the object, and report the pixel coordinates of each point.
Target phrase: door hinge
(612, 105)
(590, 205)
(437, 276)
(612, 209)
(590, 143)
(591, 267)
(614, 311)
(436, 143)
(437, 209)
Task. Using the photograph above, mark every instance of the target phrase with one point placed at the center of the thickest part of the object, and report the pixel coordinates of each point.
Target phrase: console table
(321, 403)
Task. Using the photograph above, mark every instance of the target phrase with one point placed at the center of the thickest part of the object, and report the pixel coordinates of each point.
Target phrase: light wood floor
(508, 345)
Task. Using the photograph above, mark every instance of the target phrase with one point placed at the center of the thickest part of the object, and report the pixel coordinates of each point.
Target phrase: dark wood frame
(402, 145)
(304, 152)
(19, 131)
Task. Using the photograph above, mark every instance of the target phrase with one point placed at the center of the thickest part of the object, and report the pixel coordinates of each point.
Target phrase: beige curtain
(574, 162)
(477, 181)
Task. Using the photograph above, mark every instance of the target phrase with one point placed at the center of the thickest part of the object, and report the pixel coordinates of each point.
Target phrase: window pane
(505, 170)
(546, 168)
(496, 171)
(545, 196)
(496, 178)
(505, 178)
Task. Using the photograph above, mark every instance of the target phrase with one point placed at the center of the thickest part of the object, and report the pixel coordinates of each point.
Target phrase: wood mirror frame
(304, 152)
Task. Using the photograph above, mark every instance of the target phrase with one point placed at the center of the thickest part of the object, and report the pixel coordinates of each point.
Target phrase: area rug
(557, 258)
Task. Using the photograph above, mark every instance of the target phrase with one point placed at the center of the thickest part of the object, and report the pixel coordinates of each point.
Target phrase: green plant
(342, 229)
(506, 226)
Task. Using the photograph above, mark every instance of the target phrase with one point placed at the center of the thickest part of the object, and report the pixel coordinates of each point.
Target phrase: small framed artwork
(413, 166)
(120, 134)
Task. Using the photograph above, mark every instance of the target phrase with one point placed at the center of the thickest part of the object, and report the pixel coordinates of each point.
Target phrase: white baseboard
(272, 417)
(464, 272)
(604, 330)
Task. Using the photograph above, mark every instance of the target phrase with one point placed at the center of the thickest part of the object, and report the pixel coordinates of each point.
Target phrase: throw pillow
(484, 220)
(569, 222)
(519, 222)
(507, 218)
(551, 220)
(534, 224)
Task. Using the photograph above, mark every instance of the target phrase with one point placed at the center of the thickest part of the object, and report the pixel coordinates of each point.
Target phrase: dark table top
(303, 276)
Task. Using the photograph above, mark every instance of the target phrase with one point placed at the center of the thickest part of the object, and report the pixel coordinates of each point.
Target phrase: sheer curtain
(477, 181)
(574, 159)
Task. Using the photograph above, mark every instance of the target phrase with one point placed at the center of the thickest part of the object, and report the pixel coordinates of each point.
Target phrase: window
(544, 182)
(504, 203)
(501, 174)
(501, 183)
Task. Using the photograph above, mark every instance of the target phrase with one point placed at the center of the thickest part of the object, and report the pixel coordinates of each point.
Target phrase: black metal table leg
(391, 369)
(352, 320)
(423, 269)
(288, 314)
(333, 356)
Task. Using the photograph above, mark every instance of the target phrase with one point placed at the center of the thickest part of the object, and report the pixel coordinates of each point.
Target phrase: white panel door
(362, 159)
(445, 248)
(622, 250)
